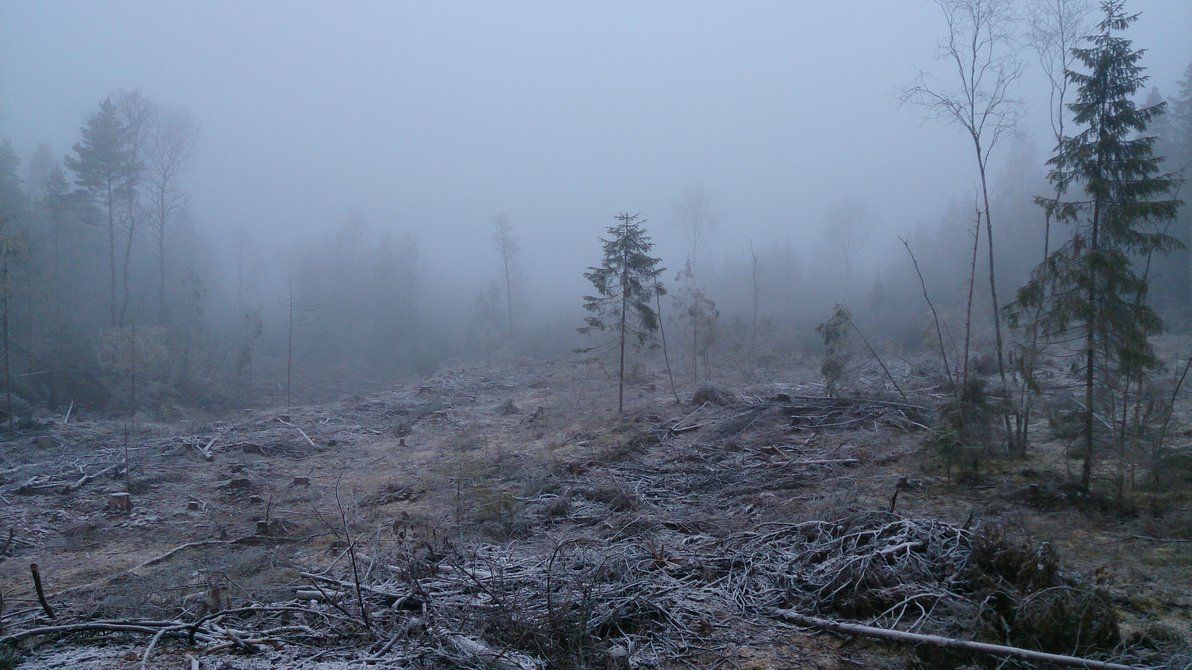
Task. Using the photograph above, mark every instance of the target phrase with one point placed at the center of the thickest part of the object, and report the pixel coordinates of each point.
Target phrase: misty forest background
(117, 296)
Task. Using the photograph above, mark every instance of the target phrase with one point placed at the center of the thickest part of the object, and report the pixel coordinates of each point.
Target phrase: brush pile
(633, 602)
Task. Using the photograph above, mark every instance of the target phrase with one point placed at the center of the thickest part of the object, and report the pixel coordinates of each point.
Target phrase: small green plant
(837, 345)
(963, 432)
(9, 659)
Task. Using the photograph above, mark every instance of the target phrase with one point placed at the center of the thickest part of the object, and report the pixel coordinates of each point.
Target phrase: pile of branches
(584, 604)
(910, 575)
(818, 413)
(874, 566)
(632, 599)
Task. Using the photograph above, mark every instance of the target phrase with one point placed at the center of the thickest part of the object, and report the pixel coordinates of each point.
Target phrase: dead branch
(392, 598)
(939, 333)
(89, 626)
(41, 594)
(508, 660)
(343, 517)
(946, 642)
(86, 478)
(300, 431)
(247, 539)
(879, 360)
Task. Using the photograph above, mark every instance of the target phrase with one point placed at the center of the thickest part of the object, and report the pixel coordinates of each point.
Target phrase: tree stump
(120, 502)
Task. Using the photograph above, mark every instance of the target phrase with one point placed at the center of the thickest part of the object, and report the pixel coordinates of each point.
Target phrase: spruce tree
(102, 164)
(1115, 197)
(12, 195)
(1179, 143)
(626, 283)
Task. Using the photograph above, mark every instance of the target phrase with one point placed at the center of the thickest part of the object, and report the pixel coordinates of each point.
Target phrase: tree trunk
(508, 292)
(756, 295)
(665, 355)
(1032, 363)
(1086, 470)
(127, 259)
(290, 346)
(162, 215)
(12, 426)
(111, 255)
(1029, 655)
(624, 307)
(997, 319)
(968, 310)
(185, 354)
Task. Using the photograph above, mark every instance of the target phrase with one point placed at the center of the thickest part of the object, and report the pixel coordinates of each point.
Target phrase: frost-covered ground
(668, 539)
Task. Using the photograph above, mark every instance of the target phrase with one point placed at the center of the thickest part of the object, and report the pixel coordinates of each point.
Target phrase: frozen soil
(502, 474)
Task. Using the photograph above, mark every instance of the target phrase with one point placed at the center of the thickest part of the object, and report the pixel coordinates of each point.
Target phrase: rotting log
(69, 488)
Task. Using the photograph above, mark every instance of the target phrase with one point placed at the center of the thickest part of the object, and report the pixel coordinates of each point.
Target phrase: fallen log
(392, 598)
(946, 642)
(86, 478)
(247, 539)
(506, 660)
(205, 451)
(300, 431)
(96, 626)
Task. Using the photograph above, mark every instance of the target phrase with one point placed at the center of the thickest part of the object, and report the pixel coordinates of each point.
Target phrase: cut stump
(120, 502)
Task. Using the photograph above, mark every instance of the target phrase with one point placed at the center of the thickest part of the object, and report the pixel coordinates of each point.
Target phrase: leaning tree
(626, 283)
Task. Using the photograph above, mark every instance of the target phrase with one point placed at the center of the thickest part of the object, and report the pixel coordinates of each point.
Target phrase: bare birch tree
(846, 228)
(300, 315)
(135, 113)
(696, 220)
(980, 47)
(170, 146)
(508, 247)
(755, 293)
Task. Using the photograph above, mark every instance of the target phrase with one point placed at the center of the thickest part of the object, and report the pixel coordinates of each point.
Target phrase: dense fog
(328, 189)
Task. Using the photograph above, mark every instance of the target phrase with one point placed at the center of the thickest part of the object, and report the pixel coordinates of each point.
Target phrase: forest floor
(506, 516)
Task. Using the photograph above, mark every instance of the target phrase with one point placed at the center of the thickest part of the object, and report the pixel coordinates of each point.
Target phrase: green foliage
(501, 512)
(837, 349)
(12, 197)
(1112, 192)
(103, 159)
(626, 282)
(963, 431)
(627, 285)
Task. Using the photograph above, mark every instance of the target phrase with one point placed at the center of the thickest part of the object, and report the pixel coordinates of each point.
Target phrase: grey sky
(433, 117)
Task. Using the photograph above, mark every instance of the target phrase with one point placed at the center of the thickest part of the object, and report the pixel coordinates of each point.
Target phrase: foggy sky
(434, 117)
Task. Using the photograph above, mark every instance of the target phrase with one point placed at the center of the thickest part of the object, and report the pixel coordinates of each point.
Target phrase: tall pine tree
(626, 283)
(1115, 196)
(102, 165)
